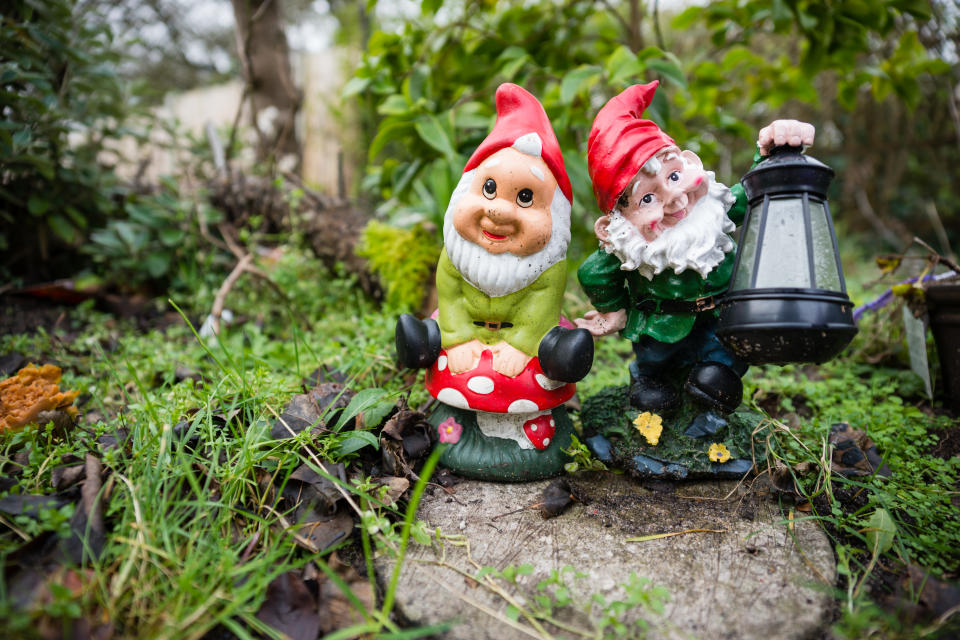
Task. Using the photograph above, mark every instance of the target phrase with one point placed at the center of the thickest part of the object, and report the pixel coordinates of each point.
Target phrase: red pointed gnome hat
(621, 141)
(518, 115)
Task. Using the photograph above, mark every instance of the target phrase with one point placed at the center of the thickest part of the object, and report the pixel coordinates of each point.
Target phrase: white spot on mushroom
(522, 406)
(441, 363)
(552, 422)
(547, 384)
(480, 384)
(533, 427)
(546, 441)
(453, 398)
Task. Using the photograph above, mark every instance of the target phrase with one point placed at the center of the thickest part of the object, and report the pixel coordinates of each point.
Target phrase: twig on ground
(945, 260)
(221, 297)
(658, 536)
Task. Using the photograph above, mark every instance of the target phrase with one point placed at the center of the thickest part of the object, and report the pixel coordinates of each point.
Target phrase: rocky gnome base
(689, 442)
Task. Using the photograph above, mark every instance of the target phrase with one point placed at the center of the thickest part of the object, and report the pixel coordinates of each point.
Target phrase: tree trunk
(275, 100)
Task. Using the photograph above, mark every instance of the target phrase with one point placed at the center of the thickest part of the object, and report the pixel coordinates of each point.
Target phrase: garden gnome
(500, 283)
(665, 253)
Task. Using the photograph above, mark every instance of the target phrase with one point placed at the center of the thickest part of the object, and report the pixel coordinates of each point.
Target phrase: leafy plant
(156, 238)
(62, 102)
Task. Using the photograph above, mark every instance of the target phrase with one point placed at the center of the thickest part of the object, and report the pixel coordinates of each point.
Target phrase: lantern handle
(782, 149)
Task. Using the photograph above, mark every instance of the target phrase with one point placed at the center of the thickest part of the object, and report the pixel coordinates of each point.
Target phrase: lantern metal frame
(778, 325)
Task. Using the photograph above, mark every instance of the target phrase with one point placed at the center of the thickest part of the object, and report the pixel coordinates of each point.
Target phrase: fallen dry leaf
(855, 454)
(290, 608)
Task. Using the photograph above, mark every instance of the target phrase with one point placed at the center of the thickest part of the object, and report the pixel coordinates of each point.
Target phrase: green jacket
(532, 311)
(610, 288)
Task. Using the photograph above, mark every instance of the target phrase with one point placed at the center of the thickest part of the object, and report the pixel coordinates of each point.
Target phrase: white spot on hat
(441, 363)
(529, 144)
(547, 384)
(546, 441)
(480, 384)
(453, 398)
(522, 406)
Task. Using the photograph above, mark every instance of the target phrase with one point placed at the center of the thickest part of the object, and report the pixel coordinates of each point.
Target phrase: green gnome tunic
(521, 318)
(610, 288)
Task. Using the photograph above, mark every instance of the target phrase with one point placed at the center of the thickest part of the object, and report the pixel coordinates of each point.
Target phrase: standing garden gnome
(665, 255)
(497, 355)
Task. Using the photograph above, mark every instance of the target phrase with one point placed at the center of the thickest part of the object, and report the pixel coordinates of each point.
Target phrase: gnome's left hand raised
(785, 132)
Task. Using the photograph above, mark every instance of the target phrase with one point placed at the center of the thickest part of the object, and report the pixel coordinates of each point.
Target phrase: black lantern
(787, 300)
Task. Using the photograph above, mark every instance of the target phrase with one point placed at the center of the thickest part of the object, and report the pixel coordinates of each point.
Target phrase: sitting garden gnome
(665, 253)
(496, 355)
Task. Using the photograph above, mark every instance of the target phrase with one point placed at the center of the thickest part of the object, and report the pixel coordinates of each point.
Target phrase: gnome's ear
(691, 158)
(600, 228)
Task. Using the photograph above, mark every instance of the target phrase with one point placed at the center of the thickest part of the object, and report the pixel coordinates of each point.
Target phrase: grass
(194, 540)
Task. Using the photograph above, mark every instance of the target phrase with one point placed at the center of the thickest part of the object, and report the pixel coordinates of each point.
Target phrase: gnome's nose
(677, 202)
(499, 210)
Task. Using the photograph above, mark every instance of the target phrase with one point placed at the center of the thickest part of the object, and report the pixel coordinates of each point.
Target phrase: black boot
(566, 354)
(418, 342)
(715, 385)
(649, 394)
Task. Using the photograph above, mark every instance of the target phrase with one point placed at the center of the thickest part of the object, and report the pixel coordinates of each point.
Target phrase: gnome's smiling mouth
(493, 236)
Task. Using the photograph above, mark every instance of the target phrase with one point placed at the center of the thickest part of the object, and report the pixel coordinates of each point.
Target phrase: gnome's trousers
(700, 345)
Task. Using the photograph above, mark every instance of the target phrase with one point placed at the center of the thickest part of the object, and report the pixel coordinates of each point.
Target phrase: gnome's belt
(652, 305)
(493, 326)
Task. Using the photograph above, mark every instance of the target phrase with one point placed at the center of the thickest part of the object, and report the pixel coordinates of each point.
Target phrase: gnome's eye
(525, 198)
(490, 189)
(647, 198)
(675, 176)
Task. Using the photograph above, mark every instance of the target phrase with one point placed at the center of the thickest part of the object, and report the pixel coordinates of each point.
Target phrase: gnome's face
(507, 207)
(663, 193)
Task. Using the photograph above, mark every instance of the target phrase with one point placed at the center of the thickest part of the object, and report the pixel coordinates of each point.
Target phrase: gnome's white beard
(699, 242)
(502, 274)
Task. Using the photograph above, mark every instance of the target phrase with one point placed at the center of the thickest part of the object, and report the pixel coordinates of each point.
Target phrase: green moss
(403, 259)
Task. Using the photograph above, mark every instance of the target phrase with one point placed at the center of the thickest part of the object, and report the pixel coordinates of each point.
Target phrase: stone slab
(757, 580)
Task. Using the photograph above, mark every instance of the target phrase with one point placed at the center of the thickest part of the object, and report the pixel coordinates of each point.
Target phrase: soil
(658, 506)
(22, 314)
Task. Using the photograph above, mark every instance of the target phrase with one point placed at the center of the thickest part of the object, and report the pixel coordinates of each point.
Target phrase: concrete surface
(756, 580)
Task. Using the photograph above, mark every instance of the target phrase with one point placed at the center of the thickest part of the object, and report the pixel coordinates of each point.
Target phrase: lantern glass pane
(824, 260)
(748, 251)
(783, 248)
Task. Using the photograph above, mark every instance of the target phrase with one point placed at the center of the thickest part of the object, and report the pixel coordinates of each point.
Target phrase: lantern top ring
(787, 171)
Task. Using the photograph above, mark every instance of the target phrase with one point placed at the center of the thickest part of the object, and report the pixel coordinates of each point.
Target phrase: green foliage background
(425, 92)
(62, 101)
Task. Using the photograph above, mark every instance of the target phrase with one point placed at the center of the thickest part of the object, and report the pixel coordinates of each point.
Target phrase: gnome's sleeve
(456, 325)
(604, 282)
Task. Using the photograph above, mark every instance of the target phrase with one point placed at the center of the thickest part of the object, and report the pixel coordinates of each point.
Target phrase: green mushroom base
(481, 457)
(677, 455)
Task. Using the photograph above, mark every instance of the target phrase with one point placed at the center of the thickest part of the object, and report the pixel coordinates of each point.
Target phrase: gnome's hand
(508, 360)
(466, 356)
(785, 132)
(602, 324)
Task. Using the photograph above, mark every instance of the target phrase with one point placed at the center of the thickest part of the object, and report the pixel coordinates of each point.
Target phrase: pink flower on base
(450, 431)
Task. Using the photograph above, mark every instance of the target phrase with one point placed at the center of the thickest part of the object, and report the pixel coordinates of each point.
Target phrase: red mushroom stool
(517, 408)
(497, 427)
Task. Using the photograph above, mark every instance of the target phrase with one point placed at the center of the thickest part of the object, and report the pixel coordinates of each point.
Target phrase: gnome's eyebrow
(537, 173)
(489, 164)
